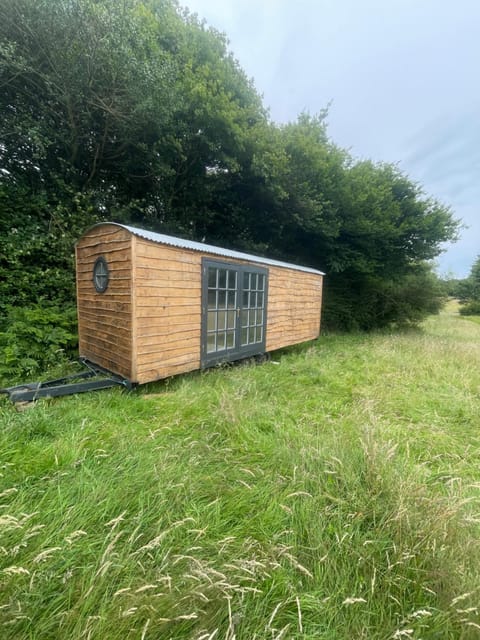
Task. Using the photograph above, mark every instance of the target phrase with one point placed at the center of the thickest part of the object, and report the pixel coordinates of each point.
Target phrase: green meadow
(331, 493)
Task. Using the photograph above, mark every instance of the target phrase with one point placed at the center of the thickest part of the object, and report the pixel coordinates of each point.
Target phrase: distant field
(473, 319)
(453, 306)
(332, 493)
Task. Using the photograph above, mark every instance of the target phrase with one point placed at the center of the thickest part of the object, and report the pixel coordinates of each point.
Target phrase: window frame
(100, 261)
(238, 351)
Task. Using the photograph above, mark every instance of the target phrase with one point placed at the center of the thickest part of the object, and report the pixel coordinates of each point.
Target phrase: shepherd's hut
(152, 306)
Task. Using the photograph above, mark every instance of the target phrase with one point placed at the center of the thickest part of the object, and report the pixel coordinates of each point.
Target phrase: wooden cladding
(105, 319)
(294, 307)
(168, 310)
(147, 324)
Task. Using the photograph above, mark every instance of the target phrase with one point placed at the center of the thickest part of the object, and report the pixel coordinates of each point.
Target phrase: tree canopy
(136, 111)
(468, 291)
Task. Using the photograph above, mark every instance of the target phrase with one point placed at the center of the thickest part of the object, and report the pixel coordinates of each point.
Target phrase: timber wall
(293, 308)
(167, 285)
(168, 289)
(105, 319)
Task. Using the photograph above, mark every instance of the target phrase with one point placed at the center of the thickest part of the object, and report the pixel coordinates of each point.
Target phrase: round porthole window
(100, 274)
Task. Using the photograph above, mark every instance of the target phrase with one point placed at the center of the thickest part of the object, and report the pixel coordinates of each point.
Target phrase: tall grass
(331, 493)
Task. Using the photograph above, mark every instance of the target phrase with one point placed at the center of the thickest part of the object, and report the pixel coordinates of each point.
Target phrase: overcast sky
(402, 77)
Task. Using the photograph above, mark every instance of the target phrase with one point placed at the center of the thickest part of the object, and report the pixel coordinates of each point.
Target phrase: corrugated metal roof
(208, 248)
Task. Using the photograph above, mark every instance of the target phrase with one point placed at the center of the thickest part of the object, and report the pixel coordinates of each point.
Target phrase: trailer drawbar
(93, 379)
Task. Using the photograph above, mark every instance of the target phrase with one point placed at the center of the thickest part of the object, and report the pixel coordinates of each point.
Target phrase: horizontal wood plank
(166, 335)
(149, 354)
(166, 371)
(191, 313)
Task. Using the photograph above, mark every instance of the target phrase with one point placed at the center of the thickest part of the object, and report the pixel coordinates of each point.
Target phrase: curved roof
(173, 241)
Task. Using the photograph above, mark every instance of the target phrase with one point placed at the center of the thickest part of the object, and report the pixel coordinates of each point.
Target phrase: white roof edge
(173, 241)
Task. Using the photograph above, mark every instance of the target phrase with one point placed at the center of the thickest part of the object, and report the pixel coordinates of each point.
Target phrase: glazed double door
(234, 304)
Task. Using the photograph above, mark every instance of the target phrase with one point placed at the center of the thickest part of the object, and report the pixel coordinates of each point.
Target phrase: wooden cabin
(152, 306)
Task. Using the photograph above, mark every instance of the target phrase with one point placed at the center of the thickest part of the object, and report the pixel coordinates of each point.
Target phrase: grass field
(332, 493)
(473, 319)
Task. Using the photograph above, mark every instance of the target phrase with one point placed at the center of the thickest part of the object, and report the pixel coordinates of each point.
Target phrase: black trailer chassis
(93, 379)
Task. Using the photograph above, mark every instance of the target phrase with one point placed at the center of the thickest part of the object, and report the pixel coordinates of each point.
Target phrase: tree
(129, 111)
(136, 112)
(388, 234)
(80, 99)
(471, 291)
(474, 278)
(367, 225)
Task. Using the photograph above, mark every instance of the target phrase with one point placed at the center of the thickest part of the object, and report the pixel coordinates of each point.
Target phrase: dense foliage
(137, 112)
(468, 291)
(36, 338)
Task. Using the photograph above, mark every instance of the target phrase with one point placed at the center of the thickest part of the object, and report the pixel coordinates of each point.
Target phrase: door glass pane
(212, 277)
(221, 337)
(232, 299)
(246, 280)
(253, 300)
(231, 319)
(260, 300)
(261, 282)
(221, 320)
(244, 337)
(222, 299)
(211, 342)
(232, 279)
(251, 335)
(230, 339)
(212, 317)
(222, 278)
(244, 318)
(212, 299)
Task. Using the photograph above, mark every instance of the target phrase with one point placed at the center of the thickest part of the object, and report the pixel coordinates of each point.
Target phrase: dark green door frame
(234, 311)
